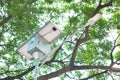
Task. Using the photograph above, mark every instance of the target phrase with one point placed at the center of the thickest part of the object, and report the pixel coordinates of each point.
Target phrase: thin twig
(111, 76)
(98, 74)
(111, 53)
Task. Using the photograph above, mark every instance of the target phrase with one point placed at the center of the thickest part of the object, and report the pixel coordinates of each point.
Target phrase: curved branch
(111, 76)
(111, 53)
(79, 41)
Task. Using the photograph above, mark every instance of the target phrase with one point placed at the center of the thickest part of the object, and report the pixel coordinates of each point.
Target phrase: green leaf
(117, 55)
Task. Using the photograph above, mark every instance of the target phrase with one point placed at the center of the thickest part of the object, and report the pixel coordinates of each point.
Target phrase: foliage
(19, 19)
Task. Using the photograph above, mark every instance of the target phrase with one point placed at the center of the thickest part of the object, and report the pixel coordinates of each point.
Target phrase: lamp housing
(40, 41)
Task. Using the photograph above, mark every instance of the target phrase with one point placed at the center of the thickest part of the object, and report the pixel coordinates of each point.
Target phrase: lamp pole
(36, 69)
(37, 58)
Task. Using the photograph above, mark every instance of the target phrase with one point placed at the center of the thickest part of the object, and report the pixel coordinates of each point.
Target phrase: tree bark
(73, 68)
(5, 20)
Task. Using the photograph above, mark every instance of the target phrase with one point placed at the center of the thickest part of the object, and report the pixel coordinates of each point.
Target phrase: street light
(38, 46)
(40, 41)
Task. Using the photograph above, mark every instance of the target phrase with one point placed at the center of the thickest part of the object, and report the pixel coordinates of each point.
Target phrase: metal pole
(36, 69)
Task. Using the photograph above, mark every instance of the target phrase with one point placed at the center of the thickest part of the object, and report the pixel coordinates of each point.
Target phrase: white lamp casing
(38, 44)
(40, 41)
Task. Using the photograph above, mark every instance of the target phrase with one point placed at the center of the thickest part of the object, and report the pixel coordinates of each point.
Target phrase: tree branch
(19, 75)
(100, 3)
(72, 68)
(99, 7)
(113, 69)
(107, 4)
(69, 67)
(5, 20)
(111, 76)
(79, 41)
(2, 45)
(111, 53)
(54, 74)
(94, 75)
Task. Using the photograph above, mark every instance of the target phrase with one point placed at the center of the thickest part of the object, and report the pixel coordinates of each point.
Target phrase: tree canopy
(85, 52)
